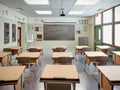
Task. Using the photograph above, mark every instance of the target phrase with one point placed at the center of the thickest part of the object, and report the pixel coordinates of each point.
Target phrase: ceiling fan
(62, 12)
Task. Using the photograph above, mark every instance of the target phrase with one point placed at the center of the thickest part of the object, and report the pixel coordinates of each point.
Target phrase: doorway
(19, 36)
(97, 36)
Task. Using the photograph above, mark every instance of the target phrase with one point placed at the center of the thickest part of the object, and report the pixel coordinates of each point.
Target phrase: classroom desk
(39, 48)
(62, 54)
(34, 57)
(12, 75)
(15, 49)
(92, 55)
(110, 76)
(60, 73)
(54, 47)
(5, 58)
(80, 49)
(103, 48)
(116, 55)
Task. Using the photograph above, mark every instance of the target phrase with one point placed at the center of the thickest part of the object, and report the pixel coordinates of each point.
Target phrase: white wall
(34, 21)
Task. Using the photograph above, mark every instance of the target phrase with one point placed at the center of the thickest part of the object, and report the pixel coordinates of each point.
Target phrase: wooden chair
(58, 86)
(110, 54)
(24, 61)
(63, 60)
(59, 49)
(7, 50)
(32, 50)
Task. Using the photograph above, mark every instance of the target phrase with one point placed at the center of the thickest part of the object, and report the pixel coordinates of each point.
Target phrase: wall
(12, 17)
(83, 27)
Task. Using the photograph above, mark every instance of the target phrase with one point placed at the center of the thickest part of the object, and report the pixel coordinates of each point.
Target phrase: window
(107, 34)
(117, 13)
(117, 35)
(107, 16)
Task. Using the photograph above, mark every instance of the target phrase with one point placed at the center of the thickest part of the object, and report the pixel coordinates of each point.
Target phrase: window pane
(117, 13)
(98, 19)
(107, 16)
(117, 35)
(107, 34)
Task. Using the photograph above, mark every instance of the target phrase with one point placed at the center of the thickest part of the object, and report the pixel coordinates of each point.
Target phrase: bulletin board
(13, 32)
(6, 33)
(58, 32)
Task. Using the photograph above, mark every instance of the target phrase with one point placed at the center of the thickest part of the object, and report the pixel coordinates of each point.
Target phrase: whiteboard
(29, 37)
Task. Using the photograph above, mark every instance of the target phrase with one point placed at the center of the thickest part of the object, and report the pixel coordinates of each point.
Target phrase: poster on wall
(6, 33)
(13, 32)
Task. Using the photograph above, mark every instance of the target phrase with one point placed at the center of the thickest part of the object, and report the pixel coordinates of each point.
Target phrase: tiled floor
(87, 81)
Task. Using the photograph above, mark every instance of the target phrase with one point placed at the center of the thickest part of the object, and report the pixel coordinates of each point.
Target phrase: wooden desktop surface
(62, 54)
(63, 72)
(11, 73)
(29, 54)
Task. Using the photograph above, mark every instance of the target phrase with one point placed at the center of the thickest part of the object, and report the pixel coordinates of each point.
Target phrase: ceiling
(56, 5)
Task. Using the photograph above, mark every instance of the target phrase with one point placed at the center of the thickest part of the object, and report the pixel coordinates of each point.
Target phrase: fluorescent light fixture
(86, 2)
(76, 12)
(43, 12)
(38, 2)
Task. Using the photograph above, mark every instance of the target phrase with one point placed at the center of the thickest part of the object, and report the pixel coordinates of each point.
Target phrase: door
(97, 36)
(19, 36)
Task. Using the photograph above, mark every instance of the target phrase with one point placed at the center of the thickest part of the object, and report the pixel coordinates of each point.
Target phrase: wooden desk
(12, 75)
(34, 56)
(5, 58)
(54, 47)
(116, 57)
(92, 55)
(103, 48)
(110, 76)
(39, 48)
(60, 73)
(62, 54)
(80, 49)
(15, 49)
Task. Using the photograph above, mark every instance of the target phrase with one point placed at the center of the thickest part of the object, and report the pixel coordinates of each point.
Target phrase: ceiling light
(40, 2)
(86, 2)
(76, 12)
(43, 12)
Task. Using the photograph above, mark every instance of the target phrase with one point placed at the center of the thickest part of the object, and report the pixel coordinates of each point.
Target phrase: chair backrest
(23, 60)
(32, 50)
(101, 60)
(59, 49)
(7, 50)
(58, 86)
(63, 60)
(110, 51)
